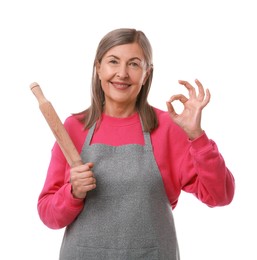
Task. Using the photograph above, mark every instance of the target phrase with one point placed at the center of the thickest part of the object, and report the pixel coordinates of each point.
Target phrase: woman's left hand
(190, 118)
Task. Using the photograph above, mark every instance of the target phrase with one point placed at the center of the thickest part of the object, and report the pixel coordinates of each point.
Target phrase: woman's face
(122, 72)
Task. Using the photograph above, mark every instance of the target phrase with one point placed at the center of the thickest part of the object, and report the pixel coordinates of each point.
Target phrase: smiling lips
(120, 85)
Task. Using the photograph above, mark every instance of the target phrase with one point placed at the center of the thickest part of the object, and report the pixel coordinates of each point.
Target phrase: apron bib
(128, 215)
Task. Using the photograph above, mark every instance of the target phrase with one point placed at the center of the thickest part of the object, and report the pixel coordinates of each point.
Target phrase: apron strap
(90, 134)
(148, 143)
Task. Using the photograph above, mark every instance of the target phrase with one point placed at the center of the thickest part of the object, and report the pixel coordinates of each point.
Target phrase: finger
(189, 87)
(207, 98)
(89, 181)
(83, 167)
(90, 165)
(179, 97)
(89, 187)
(81, 183)
(81, 191)
(200, 90)
(171, 109)
(86, 174)
(80, 176)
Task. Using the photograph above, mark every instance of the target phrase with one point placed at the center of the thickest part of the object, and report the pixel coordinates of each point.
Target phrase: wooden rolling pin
(62, 137)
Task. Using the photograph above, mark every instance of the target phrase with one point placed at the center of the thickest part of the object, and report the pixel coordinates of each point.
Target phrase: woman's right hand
(82, 180)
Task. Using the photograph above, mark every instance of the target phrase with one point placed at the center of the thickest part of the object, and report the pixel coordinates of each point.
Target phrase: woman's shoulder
(159, 111)
(74, 120)
(166, 124)
(163, 116)
(74, 124)
(76, 129)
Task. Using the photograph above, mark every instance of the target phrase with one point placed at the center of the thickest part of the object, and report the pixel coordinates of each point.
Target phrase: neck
(119, 111)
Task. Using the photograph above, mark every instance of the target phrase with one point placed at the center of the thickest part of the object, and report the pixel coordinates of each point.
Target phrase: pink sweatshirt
(194, 166)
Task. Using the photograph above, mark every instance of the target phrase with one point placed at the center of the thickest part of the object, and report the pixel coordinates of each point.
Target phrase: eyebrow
(113, 56)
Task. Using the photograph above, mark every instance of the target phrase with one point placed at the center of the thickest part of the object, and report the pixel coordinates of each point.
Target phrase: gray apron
(128, 215)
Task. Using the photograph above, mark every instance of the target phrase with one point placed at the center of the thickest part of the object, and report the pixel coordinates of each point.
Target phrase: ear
(97, 68)
(147, 74)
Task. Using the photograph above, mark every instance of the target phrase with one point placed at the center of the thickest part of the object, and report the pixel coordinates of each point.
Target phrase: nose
(122, 71)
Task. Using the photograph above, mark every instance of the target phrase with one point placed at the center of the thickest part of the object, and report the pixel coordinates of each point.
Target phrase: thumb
(89, 165)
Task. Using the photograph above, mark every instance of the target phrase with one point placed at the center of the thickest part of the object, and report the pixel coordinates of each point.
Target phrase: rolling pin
(62, 137)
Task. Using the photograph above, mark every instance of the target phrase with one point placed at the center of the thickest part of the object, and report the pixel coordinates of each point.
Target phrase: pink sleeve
(204, 173)
(56, 206)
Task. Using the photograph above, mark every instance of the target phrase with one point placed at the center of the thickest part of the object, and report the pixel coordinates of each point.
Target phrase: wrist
(195, 134)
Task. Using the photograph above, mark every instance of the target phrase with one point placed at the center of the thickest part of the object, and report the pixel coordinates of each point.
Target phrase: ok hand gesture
(190, 118)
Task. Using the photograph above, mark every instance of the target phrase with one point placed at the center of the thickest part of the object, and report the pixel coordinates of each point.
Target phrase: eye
(113, 61)
(134, 64)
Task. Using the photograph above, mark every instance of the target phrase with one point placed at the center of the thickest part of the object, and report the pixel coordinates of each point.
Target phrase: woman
(137, 160)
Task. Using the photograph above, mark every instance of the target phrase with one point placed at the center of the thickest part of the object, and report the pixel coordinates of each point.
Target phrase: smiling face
(122, 72)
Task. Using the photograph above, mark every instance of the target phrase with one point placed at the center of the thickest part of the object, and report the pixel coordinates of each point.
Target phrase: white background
(54, 42)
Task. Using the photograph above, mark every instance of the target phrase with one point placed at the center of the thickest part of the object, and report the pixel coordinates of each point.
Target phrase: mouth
(120, 85)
